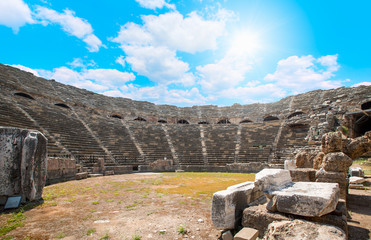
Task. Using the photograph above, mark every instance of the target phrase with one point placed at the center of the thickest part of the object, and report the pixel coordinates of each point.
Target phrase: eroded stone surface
(356, 180)
(247, 234)
(303, 175)
(305, 199)
(336, 162)
(269, 180)
(332, 142)
(227, 205)
(23, 164)
(304, 230)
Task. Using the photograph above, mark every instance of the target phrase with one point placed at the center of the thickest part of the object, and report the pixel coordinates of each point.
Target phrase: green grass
(105, 237)
(16, 220)
(137, 237)
(91, 231)
(182, 230)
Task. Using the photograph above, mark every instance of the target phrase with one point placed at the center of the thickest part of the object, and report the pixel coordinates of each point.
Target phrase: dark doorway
(25, 95)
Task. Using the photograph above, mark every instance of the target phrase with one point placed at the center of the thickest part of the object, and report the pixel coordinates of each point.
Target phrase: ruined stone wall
(93, 126)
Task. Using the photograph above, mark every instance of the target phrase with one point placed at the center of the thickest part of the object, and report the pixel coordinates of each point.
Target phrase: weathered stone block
(247, 234)
(227, 235)
(299, 229)
(356, 172)
(82, 175)
(332, 142)
(304, 159)
(336, 162)
(227, 205)
(358, 146)
(289, 165)
(60, 169)
(272, 179)
(334, 177)
(23, 164)
(303, 175)
(317, 161)
(356, 180)
(305, 199)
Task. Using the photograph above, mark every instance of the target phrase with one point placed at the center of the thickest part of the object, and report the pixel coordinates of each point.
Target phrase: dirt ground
(141, 206)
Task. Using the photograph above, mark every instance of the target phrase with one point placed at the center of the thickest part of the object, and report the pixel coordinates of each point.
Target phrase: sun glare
(247, 42)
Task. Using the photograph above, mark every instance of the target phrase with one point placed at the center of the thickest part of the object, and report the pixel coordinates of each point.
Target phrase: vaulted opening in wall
(182, 121)
(270, 118)
(203, 122)
(135, 168)
(62, 105)
(162, 121)
(362, 124)
(294, 114)
(140, 119)
(299, 127)
(25, 95)
(366, 105)
(116, 116)
(246, 121)
(224, 121)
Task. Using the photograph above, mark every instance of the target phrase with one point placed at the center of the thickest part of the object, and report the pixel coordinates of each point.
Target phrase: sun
(247, 42)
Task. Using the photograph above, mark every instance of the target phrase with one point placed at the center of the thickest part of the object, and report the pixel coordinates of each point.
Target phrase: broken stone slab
(289, 165)
(259, 217)
(334, 177)
(356, 172)
(303, 175)
(81, 175)
(304, 159)
(358, 146)
(227, 205)
(268, 180)
(356, 180)
(23, 163)
(305, 199)
(304, 230)
(246, 234)
(356, 186)
(227, 235)
(336, 162)
(317, 161)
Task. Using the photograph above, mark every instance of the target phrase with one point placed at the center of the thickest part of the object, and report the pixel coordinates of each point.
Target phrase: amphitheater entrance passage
(25, 95)
(203, 122)
(116, 116)
(270, 118)
(182, 121)
(62, 105)
(135, 168)
(360, 123)
(246, 121)
(162, 121)
(224, 121)
(140, 119)
(366, 105)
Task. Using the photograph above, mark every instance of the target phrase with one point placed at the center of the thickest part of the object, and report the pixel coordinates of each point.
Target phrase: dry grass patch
(199, 185)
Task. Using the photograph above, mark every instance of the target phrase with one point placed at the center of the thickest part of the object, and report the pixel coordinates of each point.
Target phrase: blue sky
(193, 52)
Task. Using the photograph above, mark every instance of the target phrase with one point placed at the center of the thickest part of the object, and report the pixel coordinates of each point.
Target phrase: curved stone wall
(86, 126)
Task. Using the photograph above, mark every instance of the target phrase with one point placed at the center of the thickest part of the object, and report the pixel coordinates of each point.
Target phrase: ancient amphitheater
(131, 135)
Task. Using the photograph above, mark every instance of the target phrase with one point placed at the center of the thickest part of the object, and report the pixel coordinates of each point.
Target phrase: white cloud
(71, 24)
(120, 60)
(188, 34)
(251, 93)
(27, 69)
(162, 95)
(153, 4)
(151, 48)
(14, 14)
(362, 84)
(108, 77)
(300, 74)
(159, 64)
(225, 73)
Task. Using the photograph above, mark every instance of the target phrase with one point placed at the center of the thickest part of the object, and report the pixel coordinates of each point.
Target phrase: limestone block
(358, 146)
(247, 234)
(82, 175)
(303, 175)
(227, 235)
(289, 165)
(305, 199)
(259, 217)
(227, 205)
(304, 159)
(357, 186)
(336, 162)
(356, 172)
(334, 177)
(304, 230)
(23, 163)
(317, 161)
(356, 180)
(272, 179)
(332, 142)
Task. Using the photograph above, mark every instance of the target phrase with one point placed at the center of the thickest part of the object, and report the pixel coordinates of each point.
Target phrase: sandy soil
(129, 206)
